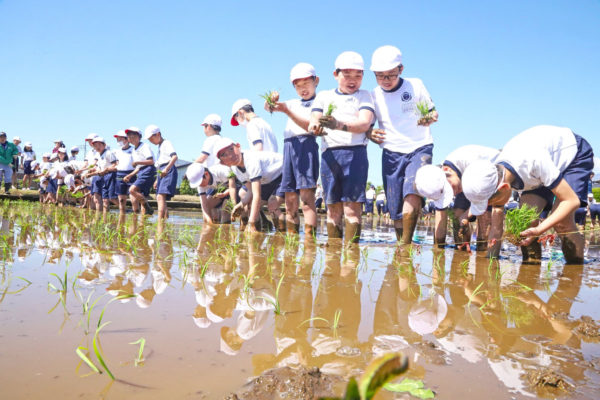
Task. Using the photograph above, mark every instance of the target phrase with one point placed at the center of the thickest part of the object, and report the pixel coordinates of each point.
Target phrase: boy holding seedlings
(300, 150)
(404, 136)
(209, 178)
(550, 165)
(260, 171)
(103, 188)
(343, 116)
(166, 181)
(144, 172)
(212, 129)
(258, 131)
(124, 168)
(443, 184)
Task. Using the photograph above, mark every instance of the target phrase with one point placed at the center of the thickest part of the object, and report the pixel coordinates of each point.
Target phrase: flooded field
(185, 311)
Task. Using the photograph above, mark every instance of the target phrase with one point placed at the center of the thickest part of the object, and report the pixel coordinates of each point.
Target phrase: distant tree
(185, 188)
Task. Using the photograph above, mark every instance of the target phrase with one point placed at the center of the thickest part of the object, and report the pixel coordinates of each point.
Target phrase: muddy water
(204, 300)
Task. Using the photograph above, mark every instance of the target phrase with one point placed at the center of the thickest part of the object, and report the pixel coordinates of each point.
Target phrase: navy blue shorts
(109, 182)
(300, 163)
(399, 171)
(595, 212)
(380, 207)
(27, 168)
(145, 179)
(168, 184)
(122, 187)
(344, 172)
(369, 206)
(52, 186)
(461, 201)
(96, 185)
(273, 187)
(577, 175)
(580, 214)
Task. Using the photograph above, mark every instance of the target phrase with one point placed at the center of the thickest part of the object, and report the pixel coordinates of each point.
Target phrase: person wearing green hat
(7, 153)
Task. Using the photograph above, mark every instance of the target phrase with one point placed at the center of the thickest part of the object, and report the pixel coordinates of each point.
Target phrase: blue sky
(69, 68)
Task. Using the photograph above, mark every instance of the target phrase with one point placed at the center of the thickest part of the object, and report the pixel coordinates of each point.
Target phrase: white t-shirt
(208, 148)
(45, 166)
(265, 166)
(380, 197)
(165, 152)
(91, 157)
(125, 159)
(347, 109)
(28, 155)
(302, 108)
(106, 159)
(142, 153)
(460, 158)
(397, 114)
(259, 130)
(370, 194)
(538, 155)
(220, 175)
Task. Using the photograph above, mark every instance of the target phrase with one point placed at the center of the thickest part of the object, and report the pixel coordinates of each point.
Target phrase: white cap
(58, 141)
(479, 183)
(120, 133)
(17, 138)
(98, 139)
(222, 144)
(349, 60)
(91, 136)
(34, 164)
(386, 58)
(151, 130)
(133, 129)
(212, 119)
(28, 144)
(74, 148)
(69, 180)
(425, 316)
(236, 107)
(431, 182)
(47, 155)
(195, 173)
(62, 150)
(302, 70)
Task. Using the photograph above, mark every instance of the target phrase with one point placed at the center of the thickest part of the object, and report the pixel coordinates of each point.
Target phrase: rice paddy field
(116, 307)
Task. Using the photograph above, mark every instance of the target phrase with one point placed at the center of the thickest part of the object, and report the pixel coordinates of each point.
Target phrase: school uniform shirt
(220, 175)
(208, 148)
(258, 130)
(538, 156)
(142, 153)
(91, 157)
(45, 166)
(28, 156)
(347, 109)
(165, 152)
(124, 159)
(380, 197)
(265, 166)
(460, 158)
(370, 195)
(76, 164)
(397, 114)
(301, 108)
(106, 159)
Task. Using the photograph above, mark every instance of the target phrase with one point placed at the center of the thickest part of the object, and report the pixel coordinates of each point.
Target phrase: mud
(550, 380)
(289, 383)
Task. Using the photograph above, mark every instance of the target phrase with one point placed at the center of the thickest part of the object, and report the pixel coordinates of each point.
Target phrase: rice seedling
(518, 220)
(5, 291)
(98, 350)
(275, 303)
(415, 388)
(423, 113)
(270, 98)
(330, 109)
(140, 359)
(62, 291)
(86, 359)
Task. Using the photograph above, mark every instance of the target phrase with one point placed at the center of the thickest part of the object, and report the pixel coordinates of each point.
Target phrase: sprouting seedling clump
(423, 112)
(519, 219)
(330, 109)
(271, 98)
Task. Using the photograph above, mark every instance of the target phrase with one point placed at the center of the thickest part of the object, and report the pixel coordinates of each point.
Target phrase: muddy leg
(410, 215)
(353, 231)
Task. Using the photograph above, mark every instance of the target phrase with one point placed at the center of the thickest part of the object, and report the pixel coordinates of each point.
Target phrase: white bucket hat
(431, 183)
(195, 173)
(385, 58)
(349, 60)
(302, 70)
(236, 107)
(479, 183)
(151, 130)
(212, 119)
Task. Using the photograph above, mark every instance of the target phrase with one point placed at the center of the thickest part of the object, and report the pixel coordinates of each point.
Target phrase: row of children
(343, 117)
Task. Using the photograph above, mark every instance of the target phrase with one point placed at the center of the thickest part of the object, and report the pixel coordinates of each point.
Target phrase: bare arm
(201, 158)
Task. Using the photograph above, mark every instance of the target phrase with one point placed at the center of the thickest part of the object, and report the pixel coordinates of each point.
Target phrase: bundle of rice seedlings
(270, 97)
(424, 113)
(330, 109)
(519, 219)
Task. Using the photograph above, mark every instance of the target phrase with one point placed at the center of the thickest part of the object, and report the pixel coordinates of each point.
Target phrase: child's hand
(328, 121)
(376, 135)
(316, 129)
(237, 210)
(126, 178)
(221, 195)
(528, 236)
(155, 185)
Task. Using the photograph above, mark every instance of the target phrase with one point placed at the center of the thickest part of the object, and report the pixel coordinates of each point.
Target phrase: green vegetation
(330, 109)
(270, 98)
(519, 219)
